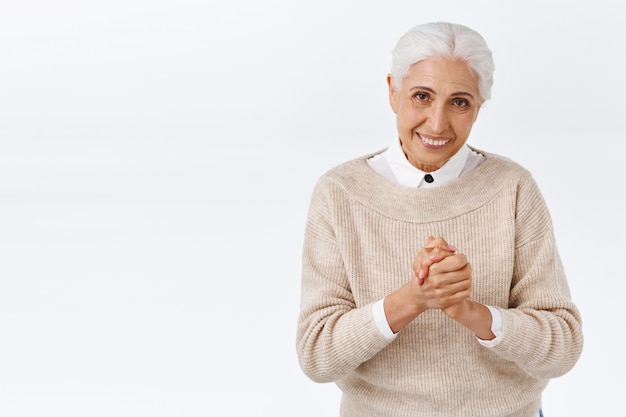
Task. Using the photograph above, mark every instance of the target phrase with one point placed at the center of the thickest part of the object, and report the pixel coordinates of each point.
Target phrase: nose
(437, 119)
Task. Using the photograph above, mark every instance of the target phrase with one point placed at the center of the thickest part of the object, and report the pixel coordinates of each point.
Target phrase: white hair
(448, 40)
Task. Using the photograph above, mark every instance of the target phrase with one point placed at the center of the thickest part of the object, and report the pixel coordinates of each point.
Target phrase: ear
(393, 94)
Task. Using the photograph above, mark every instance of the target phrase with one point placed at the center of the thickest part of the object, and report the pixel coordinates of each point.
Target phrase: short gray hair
(448, 40)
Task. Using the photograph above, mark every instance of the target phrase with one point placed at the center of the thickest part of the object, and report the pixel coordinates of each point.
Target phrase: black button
(428, 178)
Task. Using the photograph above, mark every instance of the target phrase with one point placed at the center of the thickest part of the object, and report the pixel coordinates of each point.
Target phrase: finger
(455, 297)
(424, 268)
(451, 263)
(439, 242)
(452, 290)
(435, 255)
(435, 250)
(446, 295)
(418, 280)
(452, 285)
(433, 242)
(439, 253)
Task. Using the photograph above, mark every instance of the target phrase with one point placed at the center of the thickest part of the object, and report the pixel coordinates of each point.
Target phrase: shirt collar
(409, 176)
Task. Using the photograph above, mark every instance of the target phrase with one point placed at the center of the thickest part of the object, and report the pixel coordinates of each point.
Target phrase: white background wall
(156, 163)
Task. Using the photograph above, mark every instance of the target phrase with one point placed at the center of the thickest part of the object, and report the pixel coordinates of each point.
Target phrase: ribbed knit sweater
(361, 237)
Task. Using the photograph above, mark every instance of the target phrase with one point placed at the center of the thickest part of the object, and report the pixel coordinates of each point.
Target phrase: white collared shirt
(393, 161)
(393, 165)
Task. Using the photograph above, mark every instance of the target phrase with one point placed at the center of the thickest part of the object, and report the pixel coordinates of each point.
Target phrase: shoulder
(504, 164)
(531, 212)
(352, 165)
(352, 173)
(501, 172)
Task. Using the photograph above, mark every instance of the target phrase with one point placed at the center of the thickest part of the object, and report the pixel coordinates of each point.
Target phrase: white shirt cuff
(380, 319)
(496, 328)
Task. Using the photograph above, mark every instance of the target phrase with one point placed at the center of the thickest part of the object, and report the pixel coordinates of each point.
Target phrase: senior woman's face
(436, 107)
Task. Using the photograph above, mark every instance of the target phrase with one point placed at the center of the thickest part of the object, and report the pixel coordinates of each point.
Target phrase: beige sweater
(361, 237)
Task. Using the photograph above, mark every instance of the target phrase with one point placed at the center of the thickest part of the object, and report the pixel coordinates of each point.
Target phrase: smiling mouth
(433, 142)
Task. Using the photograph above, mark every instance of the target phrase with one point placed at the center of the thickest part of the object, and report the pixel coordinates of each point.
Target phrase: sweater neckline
(460, 196)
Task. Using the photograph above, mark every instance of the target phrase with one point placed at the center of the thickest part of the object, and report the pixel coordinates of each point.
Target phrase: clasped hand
(442, 277)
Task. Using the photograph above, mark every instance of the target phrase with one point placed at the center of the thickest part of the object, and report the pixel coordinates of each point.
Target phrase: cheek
(408, 117)
(464, 125)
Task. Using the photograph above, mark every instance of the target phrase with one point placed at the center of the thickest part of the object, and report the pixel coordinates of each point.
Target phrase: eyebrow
(430, 90)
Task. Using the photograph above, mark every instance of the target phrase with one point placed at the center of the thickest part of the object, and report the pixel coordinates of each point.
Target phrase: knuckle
(460, 261)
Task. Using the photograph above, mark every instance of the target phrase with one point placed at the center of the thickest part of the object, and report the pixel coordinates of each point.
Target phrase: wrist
(475, 316)
(459, 310)
(401, 307)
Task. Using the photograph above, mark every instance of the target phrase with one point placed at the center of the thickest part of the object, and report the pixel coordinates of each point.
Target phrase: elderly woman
(431, 281)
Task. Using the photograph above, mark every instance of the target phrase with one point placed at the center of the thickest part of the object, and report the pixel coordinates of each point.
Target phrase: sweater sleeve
(541, 329)
(334, 336)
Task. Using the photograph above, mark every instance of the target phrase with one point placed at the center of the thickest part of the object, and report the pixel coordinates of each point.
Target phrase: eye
(459, 102)
(421, 96)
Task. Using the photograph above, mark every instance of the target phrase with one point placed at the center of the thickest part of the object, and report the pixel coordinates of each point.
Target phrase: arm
(475, 316)
(541, 326)
(334, 336)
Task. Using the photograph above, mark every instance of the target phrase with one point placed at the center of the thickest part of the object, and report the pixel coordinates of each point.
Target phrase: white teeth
(434, 142)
